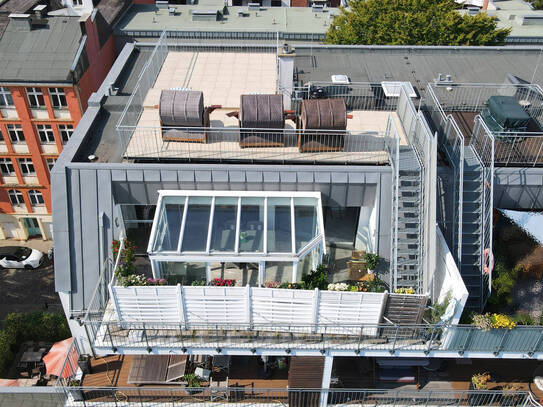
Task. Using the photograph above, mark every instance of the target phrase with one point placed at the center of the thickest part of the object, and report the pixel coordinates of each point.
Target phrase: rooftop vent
(317, 8)
(211, 15)
(340, 79)
(532, 20)
(253, 6)
(392, 88)
(39, 11)
(21, 22)
(442, 78)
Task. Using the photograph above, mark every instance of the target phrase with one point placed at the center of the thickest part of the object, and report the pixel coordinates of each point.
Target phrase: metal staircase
(472, 224)
(409, 224)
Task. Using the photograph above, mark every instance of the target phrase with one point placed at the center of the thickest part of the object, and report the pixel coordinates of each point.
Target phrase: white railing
(482, 142)
(248, 306)
(451, 140)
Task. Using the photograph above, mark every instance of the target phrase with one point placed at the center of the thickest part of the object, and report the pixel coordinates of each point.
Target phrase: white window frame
(50, 163)
(6, 100)
(36, 197)
(7, 168)
(16, 197)
(27, 166)
(45, 131)
(66, 131)
(17, 131)
(33, 95)
(58, 98)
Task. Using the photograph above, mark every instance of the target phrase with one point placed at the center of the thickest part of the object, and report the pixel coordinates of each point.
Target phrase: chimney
(39, 11)
(21, 22)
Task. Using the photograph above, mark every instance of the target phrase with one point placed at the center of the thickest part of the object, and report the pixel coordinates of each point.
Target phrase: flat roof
(418, 65)
(510, 13)
(144, 17)
(44, 54)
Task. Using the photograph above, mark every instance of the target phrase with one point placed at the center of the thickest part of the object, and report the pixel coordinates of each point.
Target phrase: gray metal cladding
(181, 108)
(262, 111)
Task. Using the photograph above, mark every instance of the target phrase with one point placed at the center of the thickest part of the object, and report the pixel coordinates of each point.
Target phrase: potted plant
(193, 383)
(371, 260)
(84, 363)
(77, 394)
(480, 381)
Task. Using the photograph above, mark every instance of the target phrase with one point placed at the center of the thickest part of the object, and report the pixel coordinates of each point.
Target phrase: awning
(396, 362)
(241, 225)
(62, 354)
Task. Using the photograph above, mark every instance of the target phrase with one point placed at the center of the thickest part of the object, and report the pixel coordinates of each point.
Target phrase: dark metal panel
(271, 176)
(185, 176)
(219, 176)
(288, 177)
(254, 176)
(134, 175)
(76, 238)
(305, 177)
(202, 176)
(236, 176)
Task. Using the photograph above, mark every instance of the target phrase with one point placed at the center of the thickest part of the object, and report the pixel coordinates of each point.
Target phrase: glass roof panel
(223, 230)
(279, 225)
(169, 224)
(251, 225)
(255, 225)
(196, 224)
(305, 221)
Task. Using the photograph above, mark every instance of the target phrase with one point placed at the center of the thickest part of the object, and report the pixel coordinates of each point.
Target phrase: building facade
(42, 99)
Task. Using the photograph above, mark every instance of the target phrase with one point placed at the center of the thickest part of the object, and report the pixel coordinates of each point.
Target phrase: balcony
(517, 143)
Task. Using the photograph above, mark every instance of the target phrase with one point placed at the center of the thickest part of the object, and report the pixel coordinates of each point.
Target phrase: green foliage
(192, 380)
(434, 314)
(316, 279)
(523, 318)
(372, 260)
(32, 326)
(503, 281)
(537, 4)
(412, 22)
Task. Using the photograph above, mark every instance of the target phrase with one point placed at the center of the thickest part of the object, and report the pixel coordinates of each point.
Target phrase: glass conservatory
(249, 236)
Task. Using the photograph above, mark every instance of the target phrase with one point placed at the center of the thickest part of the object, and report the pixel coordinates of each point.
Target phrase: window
(36, 198)
(16, 133)
(6, 167)
(58, 98)
(16, 197)
(27, 167)
(5, 97)
(46, 134)
(35, 97)
(50, 163)
(65, 131)
(78, 2)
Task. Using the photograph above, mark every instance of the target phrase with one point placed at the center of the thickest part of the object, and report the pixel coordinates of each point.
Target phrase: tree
(412, 22)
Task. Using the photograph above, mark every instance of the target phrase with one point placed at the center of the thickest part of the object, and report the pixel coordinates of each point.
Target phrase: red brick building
(49, 66)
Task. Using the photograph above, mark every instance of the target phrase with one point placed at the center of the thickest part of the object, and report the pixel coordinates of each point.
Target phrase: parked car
(18, 257)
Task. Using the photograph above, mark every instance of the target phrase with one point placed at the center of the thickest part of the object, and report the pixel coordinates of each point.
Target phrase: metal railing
(248, 395)
(523, 148)
(69, 371)
(447, 341)
(231, 144)
(146, 79)
(451, 140)
(482, 142)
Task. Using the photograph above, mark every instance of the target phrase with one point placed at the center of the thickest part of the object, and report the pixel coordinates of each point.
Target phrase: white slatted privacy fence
(276, 308)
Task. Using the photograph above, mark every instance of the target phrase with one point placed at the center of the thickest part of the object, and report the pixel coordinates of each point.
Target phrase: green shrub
(32, 326)
(503, 281)
(434, 314)
(316, 279)
(523, 318)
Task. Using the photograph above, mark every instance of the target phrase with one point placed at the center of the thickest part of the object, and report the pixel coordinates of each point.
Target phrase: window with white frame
(35, 196)
(58, 98)
(65, 131)
(16, 134)
(6, 167)
(50, 163)
(27, 166)
(35, 97)
(45, 131)
(16, 197)
(5, 97)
